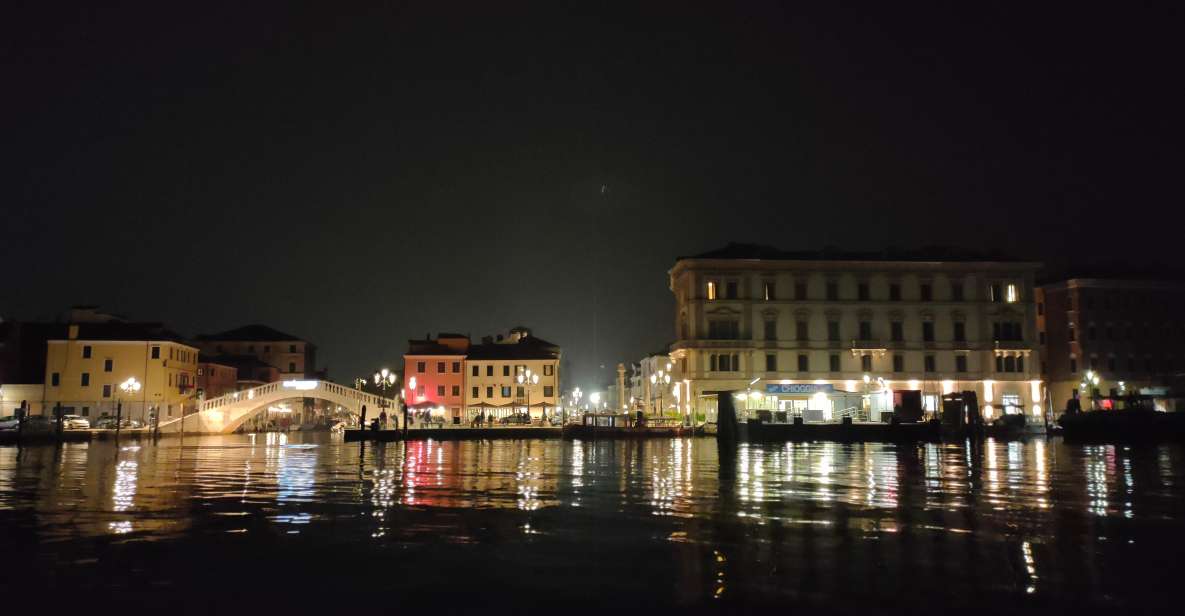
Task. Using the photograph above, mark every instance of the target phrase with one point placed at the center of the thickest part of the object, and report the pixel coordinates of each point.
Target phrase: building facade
(83, 371)
(437, 367)
(292, 357)
(215, 379)
(491, 371)
(1128, 333)
(802, 331)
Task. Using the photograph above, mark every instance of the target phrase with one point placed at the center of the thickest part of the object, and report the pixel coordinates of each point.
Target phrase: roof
(123, 331)
(741, 251)
(431, 347)
(527, 348)
(236, 361)
(253, 333)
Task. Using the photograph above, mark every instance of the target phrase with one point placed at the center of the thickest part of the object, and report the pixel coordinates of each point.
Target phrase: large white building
(802, 331)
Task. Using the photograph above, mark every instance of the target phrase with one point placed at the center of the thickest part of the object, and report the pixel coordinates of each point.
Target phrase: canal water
(306, 522)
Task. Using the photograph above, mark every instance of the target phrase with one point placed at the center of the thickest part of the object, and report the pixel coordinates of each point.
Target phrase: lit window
(1010, 294)
(711, 290)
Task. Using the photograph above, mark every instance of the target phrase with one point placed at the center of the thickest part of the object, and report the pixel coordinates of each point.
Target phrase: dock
(454, 434)
(843, 432)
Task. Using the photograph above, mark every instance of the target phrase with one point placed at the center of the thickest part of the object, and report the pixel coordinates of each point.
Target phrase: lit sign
(301, 385)
(799, 388)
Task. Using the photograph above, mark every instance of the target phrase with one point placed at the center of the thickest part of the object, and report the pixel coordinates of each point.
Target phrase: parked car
(75, 422)
(9, 423)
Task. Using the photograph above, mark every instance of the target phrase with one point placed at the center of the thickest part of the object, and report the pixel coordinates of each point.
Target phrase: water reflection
(781, 520)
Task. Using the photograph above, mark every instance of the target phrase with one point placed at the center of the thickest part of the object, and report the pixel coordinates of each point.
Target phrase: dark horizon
(361, 178)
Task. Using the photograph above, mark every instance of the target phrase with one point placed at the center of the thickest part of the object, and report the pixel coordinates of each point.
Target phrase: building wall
(440, 380)
(494, 375)
(168, 381)
(216, 379)
(12, 395)
(750, 308)
(1126, 332)
(293, 359)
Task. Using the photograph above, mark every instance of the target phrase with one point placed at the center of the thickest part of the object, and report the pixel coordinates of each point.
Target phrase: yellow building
(83, 372)
(491, 376)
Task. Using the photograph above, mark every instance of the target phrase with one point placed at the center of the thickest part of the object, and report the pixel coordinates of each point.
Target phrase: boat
(624, 425)
(1140, 424)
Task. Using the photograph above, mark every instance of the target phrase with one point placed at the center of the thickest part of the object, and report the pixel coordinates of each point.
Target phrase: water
(307, 521)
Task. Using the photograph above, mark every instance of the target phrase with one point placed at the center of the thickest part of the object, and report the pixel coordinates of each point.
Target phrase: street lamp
(129, 388)
(662, 378)
(595, 398)
(384, 379)
(576, 395)
(1091, 381)
(411, 384)
(527, 379)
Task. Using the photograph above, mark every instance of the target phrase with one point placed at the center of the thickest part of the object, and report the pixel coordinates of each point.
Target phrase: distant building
(800, 330)
(292, 357)
(491, 369)
(215, 379)
(1129, 333)
(437, 365)
(84, 368)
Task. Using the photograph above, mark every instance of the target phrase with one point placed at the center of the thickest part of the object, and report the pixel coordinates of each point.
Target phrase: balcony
(867, 344)
(1010, 345)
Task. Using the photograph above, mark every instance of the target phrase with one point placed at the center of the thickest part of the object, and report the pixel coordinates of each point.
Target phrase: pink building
(437, 367)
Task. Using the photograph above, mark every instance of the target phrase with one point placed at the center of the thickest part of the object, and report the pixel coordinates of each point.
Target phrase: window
(1010, 364)
(155, 352)
(711, 292)
(505, 391)
(722, 363)
(106, 391)
(475, 392)
(804, 362)
(771, 362)
(292, 348)
(956, 291)
(833, 330)
(724, 329)
(1020, 363)
(832, 290)
(439, 367)
(960, 331)
(420, 390)
(108, 365)
(506, 370)
(960, 363)
(865, 330)
(833, 362)
(862, 291)
(768, 291)
(55, 379)
(291, 367)
(456, 390)
(712, 363)
(490, 370)
(548, 391)
(456, 367)
(86, 351)
(895, 292)
(489, 392)
(800, 332)
(866, 363)
(86, 379)
(1040, 308)
(1070, 332)
(440, 390)
(730, 289)
(548, 369)
(518, 391)
(771, 330)
(476, 370)
(898, 363)
(929, 364)
(421, 366)
(86, 411)
(927, 292)
(928, 331)
(800, 290)
(896, 331)
(1073, 364)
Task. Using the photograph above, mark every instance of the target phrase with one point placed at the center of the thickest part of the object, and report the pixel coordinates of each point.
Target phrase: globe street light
(411, 384)
(527, 379)
(576, 395)
(129, 388)
(1091, 381)
(595, 398)
(384, 379)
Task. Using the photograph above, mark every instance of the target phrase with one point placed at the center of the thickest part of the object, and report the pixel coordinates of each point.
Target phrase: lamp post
(384, 379)
(576, 396)
(526, 379)
(1091, 381)
(595, 398)
(661, 379)
(129, 388)
(411, 384)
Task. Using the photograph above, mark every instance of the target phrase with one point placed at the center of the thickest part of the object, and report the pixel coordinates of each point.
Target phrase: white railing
(303, 391)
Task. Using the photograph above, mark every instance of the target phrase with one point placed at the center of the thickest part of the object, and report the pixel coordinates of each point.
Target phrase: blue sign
(798, 388)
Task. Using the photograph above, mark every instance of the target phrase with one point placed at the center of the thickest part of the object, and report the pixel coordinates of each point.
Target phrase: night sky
(359, 177)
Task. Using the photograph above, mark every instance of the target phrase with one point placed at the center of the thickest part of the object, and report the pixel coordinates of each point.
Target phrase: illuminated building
(799, 330)
(491, 371)
(437, 366)
(292, 357)
(1127, 332)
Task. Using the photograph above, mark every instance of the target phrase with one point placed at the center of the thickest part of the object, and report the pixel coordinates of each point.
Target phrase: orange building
(437, 367)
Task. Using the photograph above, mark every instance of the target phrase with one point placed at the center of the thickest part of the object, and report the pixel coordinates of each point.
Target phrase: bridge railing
(299, 389)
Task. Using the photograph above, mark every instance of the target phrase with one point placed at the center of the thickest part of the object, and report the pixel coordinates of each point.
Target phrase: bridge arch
(227, 413)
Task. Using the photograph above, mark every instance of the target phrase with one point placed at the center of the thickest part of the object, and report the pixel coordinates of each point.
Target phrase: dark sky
(362, 176)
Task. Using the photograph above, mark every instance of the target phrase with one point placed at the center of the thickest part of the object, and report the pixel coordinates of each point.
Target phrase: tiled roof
(124, 331)
(254, 333)
(527, 348)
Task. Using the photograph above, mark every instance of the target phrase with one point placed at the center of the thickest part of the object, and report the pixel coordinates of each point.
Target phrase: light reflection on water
(774, 521)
